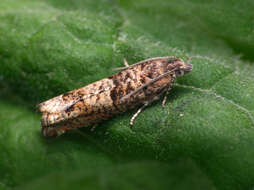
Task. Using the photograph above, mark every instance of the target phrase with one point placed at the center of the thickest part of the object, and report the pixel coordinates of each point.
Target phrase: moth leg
(140, 109)
(49, 132)
(125, 63)
(137, 113)
(93, 127)
(165, 98)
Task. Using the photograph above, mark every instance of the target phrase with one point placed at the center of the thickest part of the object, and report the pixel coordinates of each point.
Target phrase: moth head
(179, 66)
(184, 69)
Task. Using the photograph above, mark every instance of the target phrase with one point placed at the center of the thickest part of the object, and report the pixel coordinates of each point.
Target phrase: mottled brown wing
(66, 100)
(76, 103)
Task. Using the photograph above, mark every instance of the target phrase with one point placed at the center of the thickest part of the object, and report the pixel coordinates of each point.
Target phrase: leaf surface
(203, 139)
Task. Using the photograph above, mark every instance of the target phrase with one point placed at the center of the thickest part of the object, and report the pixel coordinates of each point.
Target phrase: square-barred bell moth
(135, 86)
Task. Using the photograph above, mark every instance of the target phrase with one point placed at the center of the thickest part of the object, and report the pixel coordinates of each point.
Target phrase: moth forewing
(137, 85)
(147, 84)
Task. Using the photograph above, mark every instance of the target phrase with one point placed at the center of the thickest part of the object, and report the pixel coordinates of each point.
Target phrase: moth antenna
(119, 68)
(125, 63)
(141, 62)
(122, 68)
(147, 84)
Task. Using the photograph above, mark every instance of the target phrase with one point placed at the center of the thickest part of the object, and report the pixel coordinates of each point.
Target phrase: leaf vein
(209, 91)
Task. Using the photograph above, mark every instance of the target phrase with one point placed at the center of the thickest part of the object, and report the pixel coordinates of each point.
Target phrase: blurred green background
(203, 139)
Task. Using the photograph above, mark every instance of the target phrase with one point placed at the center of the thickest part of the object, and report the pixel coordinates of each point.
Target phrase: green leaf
(203, 139)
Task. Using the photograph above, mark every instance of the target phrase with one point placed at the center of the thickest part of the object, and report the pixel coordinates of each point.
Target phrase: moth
(136, 86)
